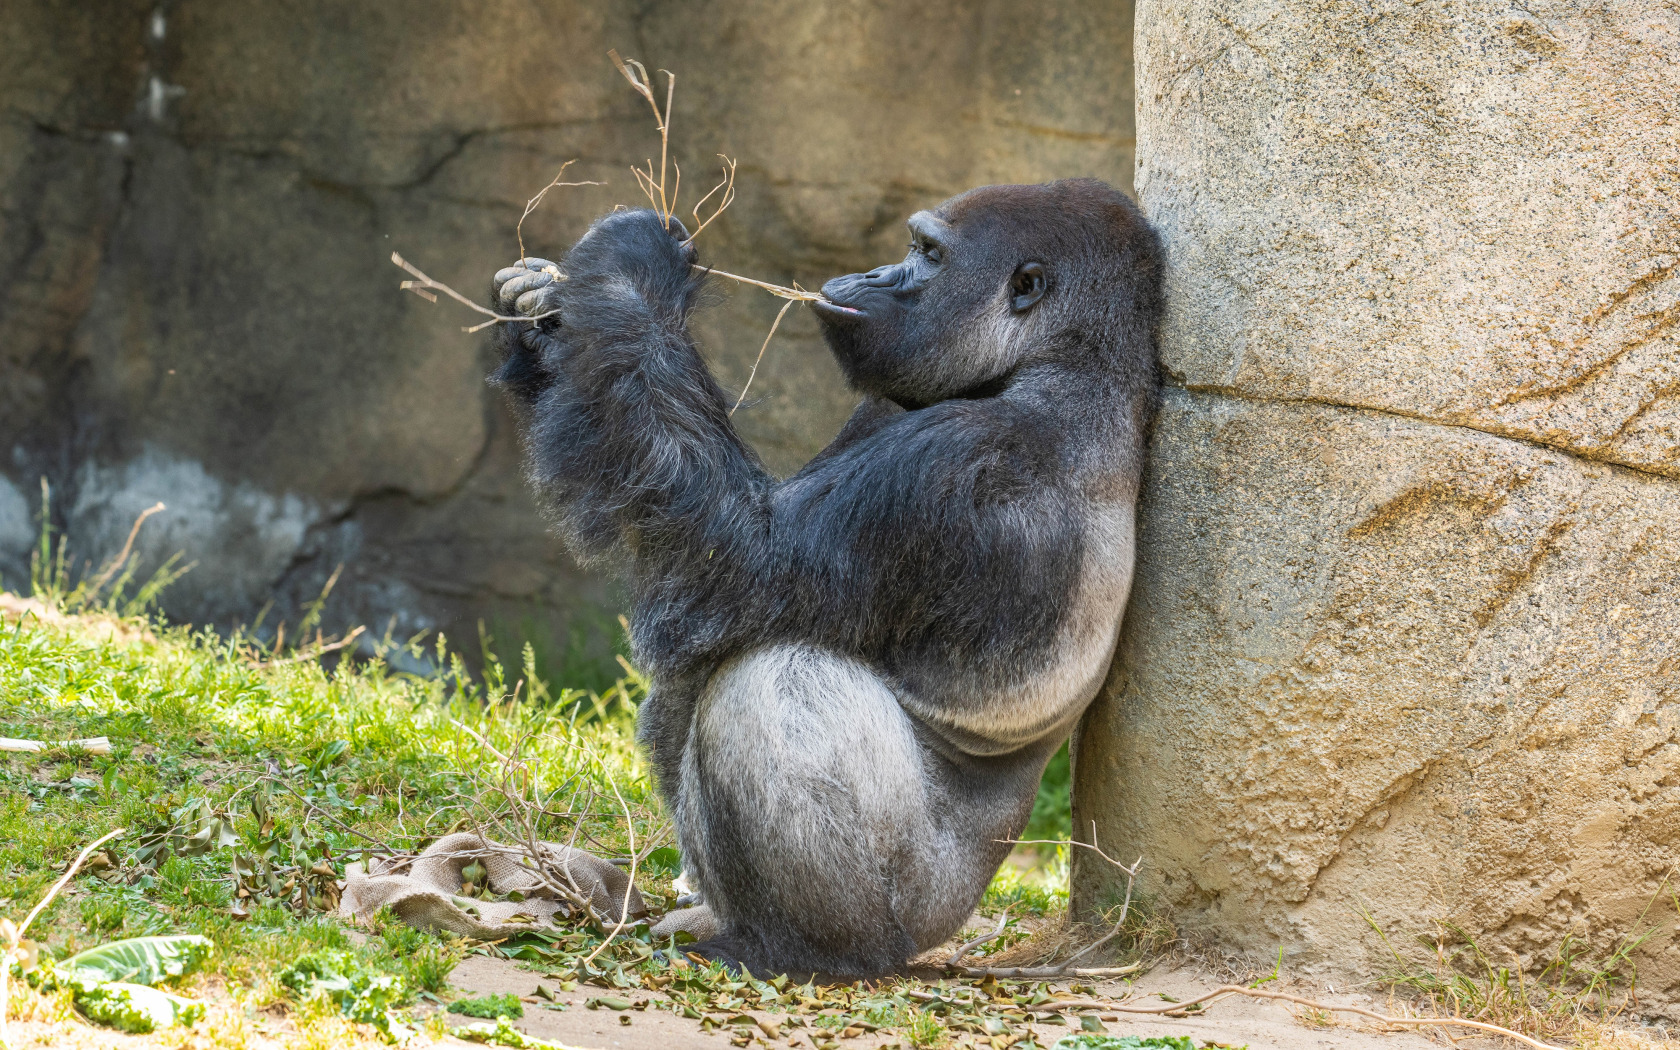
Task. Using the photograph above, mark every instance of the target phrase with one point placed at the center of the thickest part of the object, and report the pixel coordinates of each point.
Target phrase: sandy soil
(1260, 1025)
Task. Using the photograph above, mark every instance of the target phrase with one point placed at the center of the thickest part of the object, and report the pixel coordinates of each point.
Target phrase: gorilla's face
(950, 320)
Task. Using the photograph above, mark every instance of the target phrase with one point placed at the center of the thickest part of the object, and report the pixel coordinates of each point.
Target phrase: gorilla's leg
(826, 830)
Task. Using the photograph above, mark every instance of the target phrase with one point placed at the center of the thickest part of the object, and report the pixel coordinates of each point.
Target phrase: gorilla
(859, 672)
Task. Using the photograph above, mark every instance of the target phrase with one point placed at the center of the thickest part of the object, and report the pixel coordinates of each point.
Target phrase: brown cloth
(428, 896)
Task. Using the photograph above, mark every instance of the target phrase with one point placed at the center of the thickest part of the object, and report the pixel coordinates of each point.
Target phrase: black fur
(940, 540)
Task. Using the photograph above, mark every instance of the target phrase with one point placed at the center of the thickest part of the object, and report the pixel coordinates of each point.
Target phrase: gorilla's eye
(932, 252)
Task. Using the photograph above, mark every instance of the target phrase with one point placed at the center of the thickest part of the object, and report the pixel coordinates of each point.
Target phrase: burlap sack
(428, 895)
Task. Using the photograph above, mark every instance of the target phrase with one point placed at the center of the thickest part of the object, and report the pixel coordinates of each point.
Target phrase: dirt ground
(1259, 1025)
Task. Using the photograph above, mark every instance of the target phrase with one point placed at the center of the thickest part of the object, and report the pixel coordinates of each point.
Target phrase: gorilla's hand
(626, 286)
(526, 289)
(634, 247)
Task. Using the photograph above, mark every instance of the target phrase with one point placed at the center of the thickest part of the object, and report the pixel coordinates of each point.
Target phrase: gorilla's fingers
(537, 264)
(508, 273)
(532, 301)
(520, 287)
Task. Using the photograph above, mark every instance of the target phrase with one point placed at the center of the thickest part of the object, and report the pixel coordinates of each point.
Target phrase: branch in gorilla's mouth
(781, 290)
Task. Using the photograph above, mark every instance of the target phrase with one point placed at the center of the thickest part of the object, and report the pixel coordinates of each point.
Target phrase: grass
(1574, 996)
(247, 784)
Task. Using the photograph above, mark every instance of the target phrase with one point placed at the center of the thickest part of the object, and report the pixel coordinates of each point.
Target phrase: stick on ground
(1199, 1005)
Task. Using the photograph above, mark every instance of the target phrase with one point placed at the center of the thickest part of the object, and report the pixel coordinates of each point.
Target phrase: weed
(1571, 996)
(489, 1007)
(925, 1030)
(1039, 891)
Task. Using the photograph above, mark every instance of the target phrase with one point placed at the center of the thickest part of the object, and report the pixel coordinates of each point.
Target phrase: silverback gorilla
(859, 672)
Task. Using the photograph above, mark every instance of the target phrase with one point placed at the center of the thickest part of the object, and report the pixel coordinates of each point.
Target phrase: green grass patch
(247, 781)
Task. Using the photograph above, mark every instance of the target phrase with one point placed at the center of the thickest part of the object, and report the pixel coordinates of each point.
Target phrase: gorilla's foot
(698, 922)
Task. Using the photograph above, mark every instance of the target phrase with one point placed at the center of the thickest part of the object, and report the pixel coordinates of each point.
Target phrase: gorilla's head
(994, 280)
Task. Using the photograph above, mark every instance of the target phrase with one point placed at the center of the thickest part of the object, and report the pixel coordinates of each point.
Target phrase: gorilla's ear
(1027, 285)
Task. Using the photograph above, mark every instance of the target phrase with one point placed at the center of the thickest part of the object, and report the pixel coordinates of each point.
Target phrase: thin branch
(777, 323)
(128, 545)
(66, 877)
(13, 948)
(964, 949)
(317, 653)
(422, 286)
(665, 145)
(485, 744)
(531, 206)
(1225, 991)
(624, 912)
(781, 290)
(1125, 906)
(637, 75)
(1066, 967)
(728, 198)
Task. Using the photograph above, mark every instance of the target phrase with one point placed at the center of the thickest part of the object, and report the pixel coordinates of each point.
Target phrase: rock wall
(198, 200)
(1405, 638)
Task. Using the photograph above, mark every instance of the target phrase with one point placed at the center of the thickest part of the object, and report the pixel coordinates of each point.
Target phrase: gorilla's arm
(628, 439)
(937, 544)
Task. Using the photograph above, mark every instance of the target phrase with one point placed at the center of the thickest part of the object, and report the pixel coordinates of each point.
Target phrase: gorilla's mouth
(830, 308)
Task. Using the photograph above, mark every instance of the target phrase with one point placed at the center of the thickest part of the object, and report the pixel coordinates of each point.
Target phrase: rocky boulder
(1403, 654)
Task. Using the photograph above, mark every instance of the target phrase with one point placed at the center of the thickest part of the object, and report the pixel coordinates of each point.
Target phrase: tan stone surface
(1462, 211)
(1405, 634)
(1374, 663)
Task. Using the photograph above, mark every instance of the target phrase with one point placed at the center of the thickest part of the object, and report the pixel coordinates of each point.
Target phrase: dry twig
(319, 650)
(423, 288)
(1065, 968)
(777, 323)
(1199, 1005)
(15, 949)
(780, 290)
(128, 545)
(624, 913)
(637, 75)
(965, 948)
(531, 206)
(727, 185)
(664, 201)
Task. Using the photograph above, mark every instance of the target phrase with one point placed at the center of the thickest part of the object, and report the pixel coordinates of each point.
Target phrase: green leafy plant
(138, 960)
(136, 1008)
(489, 1006)
(362, 995)
(1089, 1041)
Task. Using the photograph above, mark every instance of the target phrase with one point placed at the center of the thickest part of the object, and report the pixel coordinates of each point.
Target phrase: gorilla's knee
(804, 813)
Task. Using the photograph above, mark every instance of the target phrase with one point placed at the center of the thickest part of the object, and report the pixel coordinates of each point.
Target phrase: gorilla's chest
(1000, 713)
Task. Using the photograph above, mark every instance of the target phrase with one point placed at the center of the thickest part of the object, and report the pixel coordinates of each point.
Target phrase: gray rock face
(1404, 640)
(198, 202)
